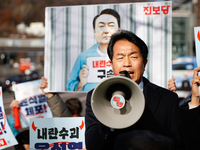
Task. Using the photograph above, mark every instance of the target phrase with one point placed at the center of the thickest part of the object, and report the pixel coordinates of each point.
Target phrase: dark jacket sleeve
(58, 107)
(190, 119)
(97, 136)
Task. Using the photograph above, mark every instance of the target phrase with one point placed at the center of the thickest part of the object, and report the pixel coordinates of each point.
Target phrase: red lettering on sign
(95, 64)
(2, 142)
(165, 9)
(156, 10)
(147, 10)
(102, 63)
(116, 99)
(108, 64)
(198, 35)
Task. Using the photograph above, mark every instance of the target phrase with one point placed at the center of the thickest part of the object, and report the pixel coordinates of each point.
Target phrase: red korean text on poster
(153, 10)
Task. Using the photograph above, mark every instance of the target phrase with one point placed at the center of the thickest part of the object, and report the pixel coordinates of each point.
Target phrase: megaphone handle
(17, 120)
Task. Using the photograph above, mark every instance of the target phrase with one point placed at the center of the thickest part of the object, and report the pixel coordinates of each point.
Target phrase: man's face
(127, 56)
(105, 26)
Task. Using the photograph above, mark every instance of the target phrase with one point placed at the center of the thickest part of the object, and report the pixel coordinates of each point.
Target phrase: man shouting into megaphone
(161, 114)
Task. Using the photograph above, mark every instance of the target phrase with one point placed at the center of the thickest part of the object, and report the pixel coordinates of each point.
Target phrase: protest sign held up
(32, 102)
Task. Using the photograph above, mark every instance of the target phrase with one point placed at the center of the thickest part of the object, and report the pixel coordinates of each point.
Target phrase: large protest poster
(32, 102)
(69, 33)
(7, 139)
(57, 133)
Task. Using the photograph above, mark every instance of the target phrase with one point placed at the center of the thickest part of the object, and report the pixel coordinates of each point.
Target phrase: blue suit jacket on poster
(73, 81)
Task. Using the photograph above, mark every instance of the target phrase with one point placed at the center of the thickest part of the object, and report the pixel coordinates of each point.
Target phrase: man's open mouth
(131, 73)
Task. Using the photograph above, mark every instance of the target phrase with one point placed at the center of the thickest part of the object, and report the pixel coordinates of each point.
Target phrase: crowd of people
(163, 124)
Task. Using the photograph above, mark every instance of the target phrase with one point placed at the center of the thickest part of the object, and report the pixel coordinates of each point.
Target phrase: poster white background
(69, 31)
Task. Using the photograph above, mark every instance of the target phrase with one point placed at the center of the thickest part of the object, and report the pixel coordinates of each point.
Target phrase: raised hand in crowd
(171, 85)
(195, 88)
(43, 86)
(54, 101)
(13, 104)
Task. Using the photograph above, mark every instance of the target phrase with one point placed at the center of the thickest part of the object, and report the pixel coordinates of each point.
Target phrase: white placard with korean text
(7, 139)
(99, 68)
(32, 102)
(66, 133)
(197, 45)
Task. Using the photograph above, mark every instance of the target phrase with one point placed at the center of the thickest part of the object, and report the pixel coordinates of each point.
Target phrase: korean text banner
(32, 102)
(76, 38)
(7, 138)
(57, 133)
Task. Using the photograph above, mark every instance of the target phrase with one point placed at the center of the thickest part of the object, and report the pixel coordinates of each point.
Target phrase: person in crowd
(23, 140)
(190, 115)
(185, 84)
(104, 25)
(161, 114)
(75, 107)
(71, 108)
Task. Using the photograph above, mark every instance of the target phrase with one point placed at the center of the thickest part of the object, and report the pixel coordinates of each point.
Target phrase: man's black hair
(109, 12)
(131, 37)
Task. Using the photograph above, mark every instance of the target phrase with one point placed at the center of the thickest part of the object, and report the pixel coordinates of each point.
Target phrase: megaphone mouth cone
(124, 117)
